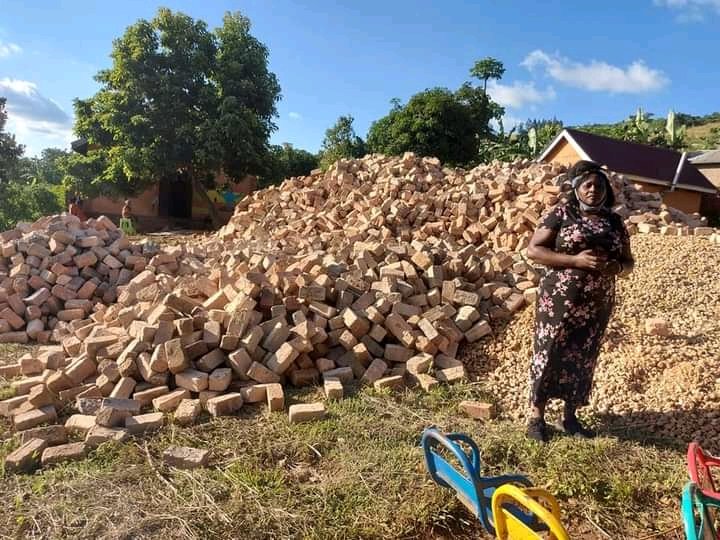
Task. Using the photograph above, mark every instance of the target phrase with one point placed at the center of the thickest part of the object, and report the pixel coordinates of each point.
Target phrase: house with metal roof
(708, 163)
(655, 169)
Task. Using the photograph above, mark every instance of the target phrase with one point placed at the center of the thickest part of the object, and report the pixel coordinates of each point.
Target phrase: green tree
(433, 123)
(10, 150)
(22, 197)
(486, 69)
(178, 99)
(341, 141)
(286, 161)
(438, 122)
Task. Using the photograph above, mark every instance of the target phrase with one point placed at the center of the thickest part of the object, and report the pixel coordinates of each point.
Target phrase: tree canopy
(25, 194)
(178, 98)
(486, 69)
(286, 161)
(341, 141)
(437, 122)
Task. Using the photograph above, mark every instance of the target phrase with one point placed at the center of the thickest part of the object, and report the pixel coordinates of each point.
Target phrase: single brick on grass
(306, 412)
(183, 457)
(27, 457)
(65, 452)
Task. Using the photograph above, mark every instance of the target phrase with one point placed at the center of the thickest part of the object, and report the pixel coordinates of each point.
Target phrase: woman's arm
(540, 250)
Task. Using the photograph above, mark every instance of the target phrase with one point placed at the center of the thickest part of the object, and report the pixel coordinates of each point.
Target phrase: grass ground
(357, 474)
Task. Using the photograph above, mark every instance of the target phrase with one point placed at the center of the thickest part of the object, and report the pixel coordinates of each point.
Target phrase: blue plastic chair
(698, 512)
(472, 489)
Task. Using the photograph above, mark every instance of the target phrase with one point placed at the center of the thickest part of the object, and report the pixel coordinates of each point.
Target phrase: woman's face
(592, 190)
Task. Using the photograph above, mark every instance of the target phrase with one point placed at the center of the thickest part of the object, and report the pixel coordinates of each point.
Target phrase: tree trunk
(197, 186)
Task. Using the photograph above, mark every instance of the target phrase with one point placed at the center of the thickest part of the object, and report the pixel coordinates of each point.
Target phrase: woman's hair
(587, 168)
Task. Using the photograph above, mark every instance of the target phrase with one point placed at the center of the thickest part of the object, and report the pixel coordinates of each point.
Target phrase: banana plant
(675, 134)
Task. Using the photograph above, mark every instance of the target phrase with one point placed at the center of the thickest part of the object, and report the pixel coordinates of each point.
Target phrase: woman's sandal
(537, 430)
(573, 427)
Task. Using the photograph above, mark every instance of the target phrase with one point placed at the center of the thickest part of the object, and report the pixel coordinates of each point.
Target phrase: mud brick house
(655, 169)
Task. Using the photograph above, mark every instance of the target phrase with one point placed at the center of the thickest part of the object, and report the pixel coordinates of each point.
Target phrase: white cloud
(518, 94)
(6, 49)
(689, 11)
(33, 116)
(295, 115)
(596, 76)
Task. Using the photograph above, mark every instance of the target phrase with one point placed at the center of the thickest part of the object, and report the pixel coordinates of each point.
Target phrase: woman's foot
(537, 430)
(572, 426)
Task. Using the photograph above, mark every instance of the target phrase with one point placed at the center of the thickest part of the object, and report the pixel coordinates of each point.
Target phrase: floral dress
(573, 307)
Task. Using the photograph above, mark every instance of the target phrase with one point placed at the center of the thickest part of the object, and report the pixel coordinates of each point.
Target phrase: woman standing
(585, 245)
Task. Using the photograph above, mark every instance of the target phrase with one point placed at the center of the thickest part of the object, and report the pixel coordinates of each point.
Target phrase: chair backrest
(696, 514)
(699, 463)
(466, 483)
(508, 498)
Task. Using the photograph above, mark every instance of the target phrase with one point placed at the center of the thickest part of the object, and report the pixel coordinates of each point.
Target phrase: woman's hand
(589, 260)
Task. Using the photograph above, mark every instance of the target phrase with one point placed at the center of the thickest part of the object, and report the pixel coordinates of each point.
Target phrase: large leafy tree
(437, 122)
(178, 98)
(286, 161)
(22, 196)
(10, 150)
(341, 141)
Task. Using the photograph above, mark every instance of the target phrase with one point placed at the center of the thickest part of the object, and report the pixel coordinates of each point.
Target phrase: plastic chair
(472, 489)
(700, 467)
(536, 501)
(127, 227)
(697, 514)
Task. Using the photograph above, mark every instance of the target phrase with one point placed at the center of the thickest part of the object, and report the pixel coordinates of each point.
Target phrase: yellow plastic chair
(126, 226)
(535, 501)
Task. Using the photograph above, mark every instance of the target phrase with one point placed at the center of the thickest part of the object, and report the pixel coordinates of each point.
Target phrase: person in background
(75, 208)
(584, 245)
(126, 221)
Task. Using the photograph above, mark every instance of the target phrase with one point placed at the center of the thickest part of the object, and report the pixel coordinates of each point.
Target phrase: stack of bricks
(373, 273)
(57, 270)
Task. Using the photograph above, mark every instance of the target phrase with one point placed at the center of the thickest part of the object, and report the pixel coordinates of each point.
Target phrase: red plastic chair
(700, 467)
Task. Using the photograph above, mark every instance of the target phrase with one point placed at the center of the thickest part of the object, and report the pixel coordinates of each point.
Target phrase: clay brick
(374, 372)
(53, 435)
(145, 397)
(26, 458)
(219, 379)
(79, 423)
(225, 404)
(98, 435)
(211, 360)
(177, 360)
(34, 417)
(478, 331)
(478, 410)
(261, 374)
(419, 363)
(111, 417)
(393, 382)
(275, 397)
(306, 412)
(333, 388)
(144, 423)
(169, 402)
(344, 374)
(282, 359)
(187, 412)
(123, 388)
(185, 458)
(65, 452)
(192, 379)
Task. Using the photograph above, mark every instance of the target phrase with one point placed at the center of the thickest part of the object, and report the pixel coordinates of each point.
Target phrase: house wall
(562, 154)
(711, 172)
(682, 199)
(144, 205)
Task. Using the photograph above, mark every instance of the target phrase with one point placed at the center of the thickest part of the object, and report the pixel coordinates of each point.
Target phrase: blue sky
(579, 61)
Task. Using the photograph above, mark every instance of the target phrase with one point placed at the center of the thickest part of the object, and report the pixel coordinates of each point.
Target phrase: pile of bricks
(56, 270)
(374, 272)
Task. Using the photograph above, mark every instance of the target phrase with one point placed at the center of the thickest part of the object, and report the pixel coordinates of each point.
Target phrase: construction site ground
(360, 472)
